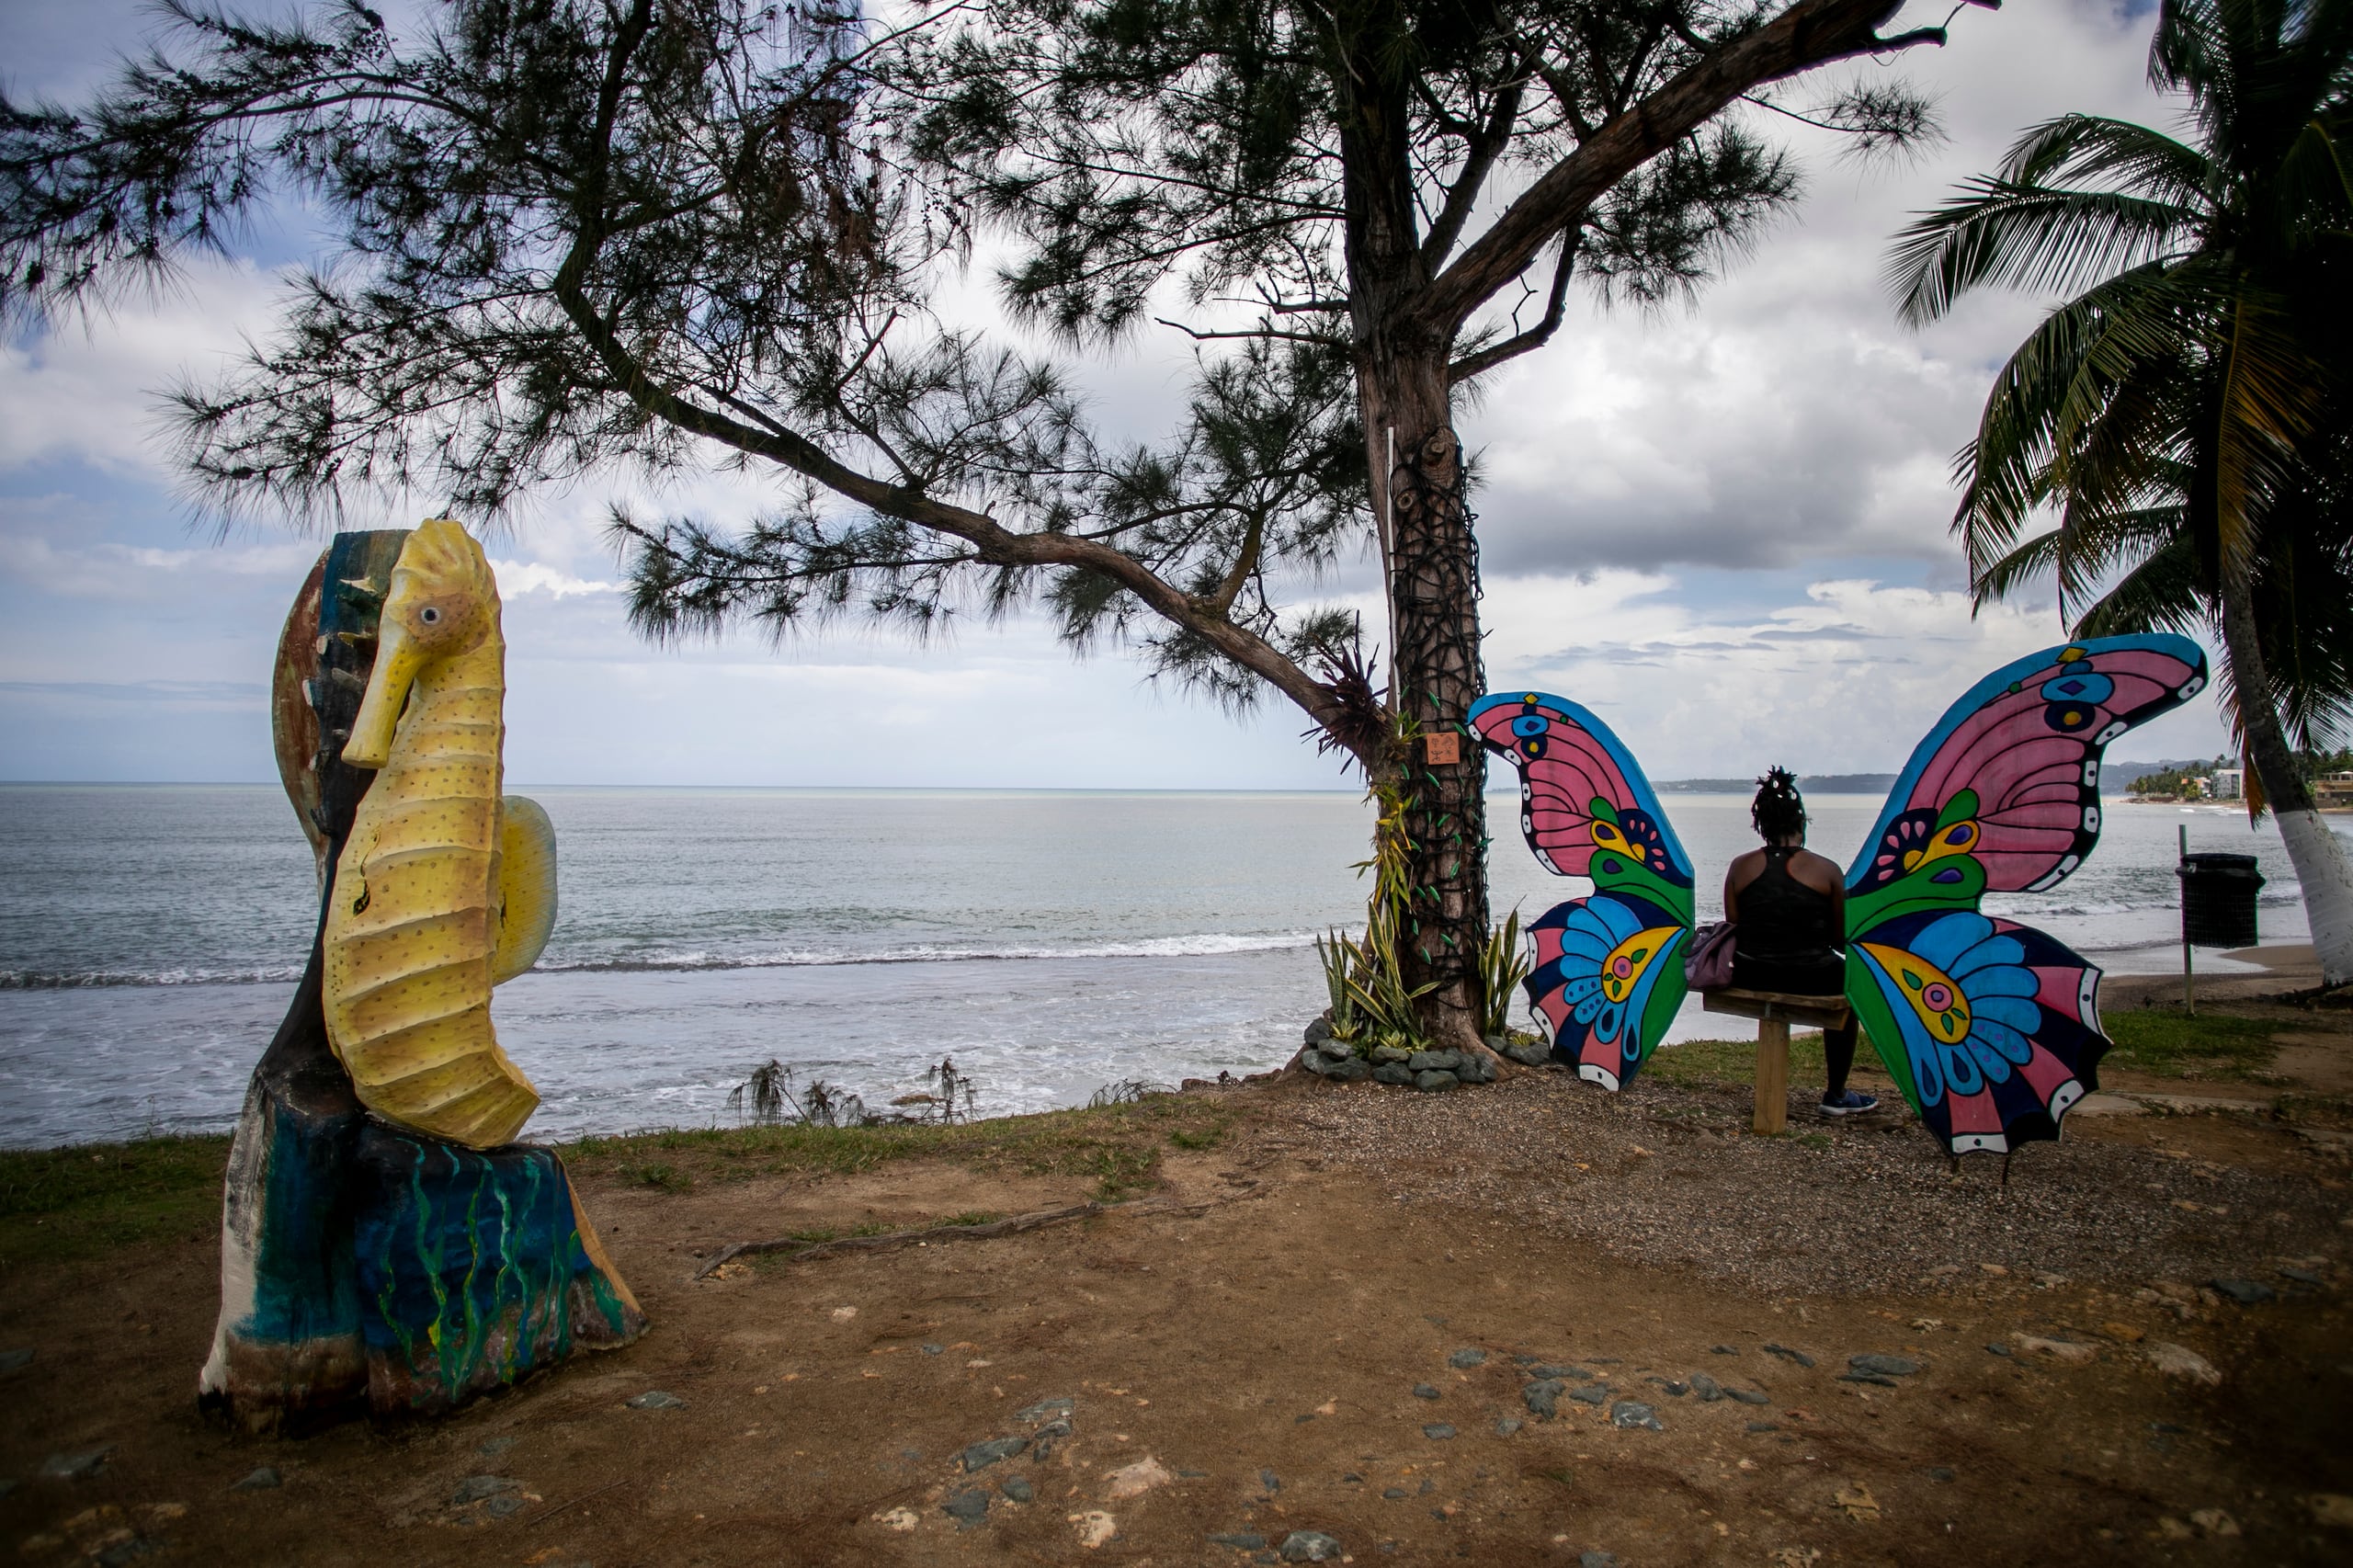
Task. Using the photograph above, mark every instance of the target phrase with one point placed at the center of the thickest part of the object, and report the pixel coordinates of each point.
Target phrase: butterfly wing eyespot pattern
(1608, 971)
(1990, 1027)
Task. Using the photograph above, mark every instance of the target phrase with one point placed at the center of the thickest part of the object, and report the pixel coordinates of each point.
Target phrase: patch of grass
(969, 1217)
(1706, 1062)
(1118, 1146)
(666, 1177)
(1813, 1139)
(57, 1205)
(2167, 1043)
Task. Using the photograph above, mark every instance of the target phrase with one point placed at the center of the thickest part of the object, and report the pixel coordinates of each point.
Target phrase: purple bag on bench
(1708, 966)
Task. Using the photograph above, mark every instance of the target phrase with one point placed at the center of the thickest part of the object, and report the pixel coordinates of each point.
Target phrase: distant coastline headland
(2121, 774)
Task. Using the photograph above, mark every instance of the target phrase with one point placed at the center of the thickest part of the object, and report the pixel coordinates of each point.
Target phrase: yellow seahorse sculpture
(443, 890)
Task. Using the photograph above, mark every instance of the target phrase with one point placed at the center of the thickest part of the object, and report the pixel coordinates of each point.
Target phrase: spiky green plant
(1504, 962)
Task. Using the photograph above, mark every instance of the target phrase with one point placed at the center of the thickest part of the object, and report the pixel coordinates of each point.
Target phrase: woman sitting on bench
(1788, 909)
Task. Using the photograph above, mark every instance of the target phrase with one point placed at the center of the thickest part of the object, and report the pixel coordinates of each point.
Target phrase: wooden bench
(1775, 1011)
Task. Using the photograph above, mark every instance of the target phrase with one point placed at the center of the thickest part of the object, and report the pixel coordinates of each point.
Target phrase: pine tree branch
(1810, 33)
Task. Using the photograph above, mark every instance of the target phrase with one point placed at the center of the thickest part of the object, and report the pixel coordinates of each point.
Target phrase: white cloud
(91, 391)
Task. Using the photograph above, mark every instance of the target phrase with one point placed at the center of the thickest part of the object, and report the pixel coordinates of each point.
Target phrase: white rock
(2066, 1352)
(1095, 1527)
(1136, 1480)
(2180, 1361)
(897, 1519)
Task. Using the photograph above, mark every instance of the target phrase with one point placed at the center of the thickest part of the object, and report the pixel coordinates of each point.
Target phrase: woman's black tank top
(1780, 917)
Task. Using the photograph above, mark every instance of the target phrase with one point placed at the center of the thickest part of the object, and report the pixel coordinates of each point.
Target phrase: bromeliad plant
(1372, 1003)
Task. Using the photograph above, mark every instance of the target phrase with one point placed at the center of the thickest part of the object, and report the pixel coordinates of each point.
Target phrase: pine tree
(663, 233)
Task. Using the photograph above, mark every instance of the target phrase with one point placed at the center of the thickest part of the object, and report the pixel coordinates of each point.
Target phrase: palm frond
(2038, 238)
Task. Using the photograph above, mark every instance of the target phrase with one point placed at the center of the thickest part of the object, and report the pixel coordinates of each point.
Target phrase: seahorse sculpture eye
(445, 889)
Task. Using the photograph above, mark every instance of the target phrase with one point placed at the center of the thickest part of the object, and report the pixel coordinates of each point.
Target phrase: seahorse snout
(398, 659)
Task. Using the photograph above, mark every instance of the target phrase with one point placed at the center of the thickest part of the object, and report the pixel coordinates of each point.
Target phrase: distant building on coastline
(2335, 789)
(2227, 783)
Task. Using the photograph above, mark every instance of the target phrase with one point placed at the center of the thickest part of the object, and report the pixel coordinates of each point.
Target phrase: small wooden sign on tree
(1444, 748)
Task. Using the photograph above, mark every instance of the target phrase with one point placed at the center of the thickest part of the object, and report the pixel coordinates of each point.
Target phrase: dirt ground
(1343, 1318)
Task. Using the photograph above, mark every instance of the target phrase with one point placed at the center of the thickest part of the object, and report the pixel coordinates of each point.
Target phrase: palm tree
(2187, 411)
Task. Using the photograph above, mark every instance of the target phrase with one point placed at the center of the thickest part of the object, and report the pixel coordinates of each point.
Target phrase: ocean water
(1049, 943)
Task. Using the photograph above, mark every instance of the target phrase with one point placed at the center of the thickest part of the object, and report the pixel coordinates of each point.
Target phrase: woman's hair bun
(1779, 809)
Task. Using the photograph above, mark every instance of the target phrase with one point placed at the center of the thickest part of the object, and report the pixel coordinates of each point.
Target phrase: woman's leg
(1838, 1058)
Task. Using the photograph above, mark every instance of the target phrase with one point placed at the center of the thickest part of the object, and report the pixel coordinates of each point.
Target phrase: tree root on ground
(795, 1249)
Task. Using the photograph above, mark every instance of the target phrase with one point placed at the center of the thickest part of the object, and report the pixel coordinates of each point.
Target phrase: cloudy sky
(1725, 528)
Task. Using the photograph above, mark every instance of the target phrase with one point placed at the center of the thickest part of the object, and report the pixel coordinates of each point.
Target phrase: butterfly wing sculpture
(1991, 1028)
(1609, 973)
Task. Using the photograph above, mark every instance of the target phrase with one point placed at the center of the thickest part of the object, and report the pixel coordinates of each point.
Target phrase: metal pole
(2189, 980)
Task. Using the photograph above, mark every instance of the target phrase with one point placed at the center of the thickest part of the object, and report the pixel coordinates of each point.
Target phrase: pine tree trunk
(1433, 586)
(2314, 848)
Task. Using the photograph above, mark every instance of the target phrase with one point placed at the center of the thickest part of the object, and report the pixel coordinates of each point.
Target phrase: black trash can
(2218, 900)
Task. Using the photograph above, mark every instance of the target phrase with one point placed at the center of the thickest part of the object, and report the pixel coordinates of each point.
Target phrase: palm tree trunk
(2323, 869)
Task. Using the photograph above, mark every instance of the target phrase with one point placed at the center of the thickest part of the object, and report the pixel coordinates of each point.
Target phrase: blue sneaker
(1854, 1102)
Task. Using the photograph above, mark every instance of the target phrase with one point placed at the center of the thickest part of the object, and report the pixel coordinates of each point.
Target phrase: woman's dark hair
(1779, 809)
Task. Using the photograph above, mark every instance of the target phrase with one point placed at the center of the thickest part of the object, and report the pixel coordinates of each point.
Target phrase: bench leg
(1772, 1077)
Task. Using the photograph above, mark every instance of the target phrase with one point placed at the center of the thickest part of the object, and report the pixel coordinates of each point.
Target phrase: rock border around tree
(1431, 1071)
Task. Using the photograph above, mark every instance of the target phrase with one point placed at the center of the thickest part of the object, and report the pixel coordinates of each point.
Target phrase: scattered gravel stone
(1542, 1397)
(967, 1507)
(980, 1456)
(933, 1349)
(2245, 1292)
(1394, 1493)
(1871, 1378)
(1629, 1415)
(264, 1479)
(1018, 1490)
(1721, 1350)
(1047, 1438)
(1783, 1351)
(1046, 1410)
(1942, 1473)
(1997, 1348)
(12, 1359)
(474, 1488)
(1438, 1432)
(1674, 1390)
(492, 1447)
(1270, 1481)
(1243, 1540)
(1706, 1388)
(1590, 1393)
(1596, 1560)
(2287, 1271)
(655, 1399)
(1749, 1396)
(1506, 1424)
(1425, 1391)
(2099, 1213)
(1310, 1546)
(1884, 1366)
(77, 1466)
(1763, 1426)
(1464, 1359)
